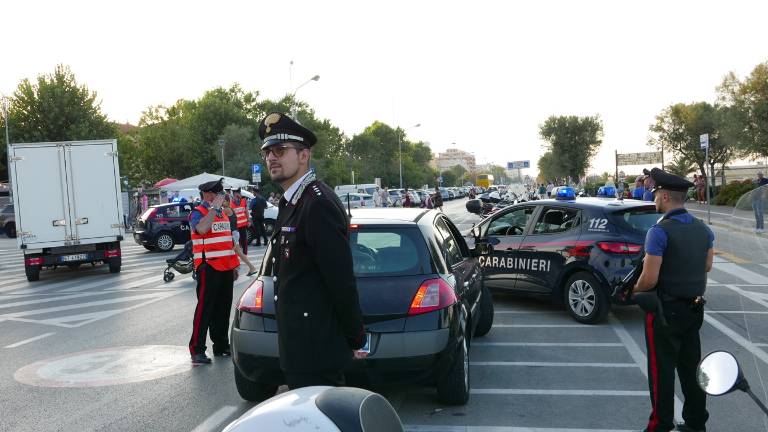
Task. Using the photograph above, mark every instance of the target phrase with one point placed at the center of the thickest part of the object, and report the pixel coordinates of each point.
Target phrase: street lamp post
(293, 110)
(400, 151)
(221, 144)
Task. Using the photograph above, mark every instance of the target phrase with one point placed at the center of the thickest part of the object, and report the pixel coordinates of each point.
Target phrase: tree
(499, 174)
(55, 108)
(680, 167)
(548, 167)
(678, 127)
(573, 141)
(748, 120)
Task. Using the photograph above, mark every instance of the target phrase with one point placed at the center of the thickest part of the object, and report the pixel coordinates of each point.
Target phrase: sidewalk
(724, 216)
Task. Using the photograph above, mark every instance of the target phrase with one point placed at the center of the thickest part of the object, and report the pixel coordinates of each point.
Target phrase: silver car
(357, 200)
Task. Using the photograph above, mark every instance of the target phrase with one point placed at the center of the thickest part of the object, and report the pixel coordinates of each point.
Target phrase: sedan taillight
(433, 294)
(253, 298)
(620, 248)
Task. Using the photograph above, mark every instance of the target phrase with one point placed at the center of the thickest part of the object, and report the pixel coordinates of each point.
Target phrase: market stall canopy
(194, 181)
(165, 181)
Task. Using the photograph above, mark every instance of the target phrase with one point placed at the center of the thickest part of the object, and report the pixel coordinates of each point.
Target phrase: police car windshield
(380, 252)
(637, 219)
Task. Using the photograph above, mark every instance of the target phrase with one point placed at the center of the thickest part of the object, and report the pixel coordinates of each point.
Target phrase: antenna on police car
(349, 211)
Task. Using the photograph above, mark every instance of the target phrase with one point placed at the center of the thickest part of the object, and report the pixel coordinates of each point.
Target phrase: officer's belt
(669, 298)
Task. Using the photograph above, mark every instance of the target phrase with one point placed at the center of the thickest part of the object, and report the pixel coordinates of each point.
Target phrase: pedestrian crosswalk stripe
(742, 273)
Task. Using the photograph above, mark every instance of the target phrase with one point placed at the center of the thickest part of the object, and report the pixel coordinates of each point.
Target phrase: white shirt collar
(288, 195)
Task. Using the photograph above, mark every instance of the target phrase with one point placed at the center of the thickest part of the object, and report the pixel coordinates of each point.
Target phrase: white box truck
(66, 198)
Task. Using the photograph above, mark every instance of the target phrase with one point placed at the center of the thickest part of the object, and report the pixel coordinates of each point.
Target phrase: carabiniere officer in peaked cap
(319, 320)
(678, 256)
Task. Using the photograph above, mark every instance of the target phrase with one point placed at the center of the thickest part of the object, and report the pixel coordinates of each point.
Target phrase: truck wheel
(585, 299)
(10, 230)
(252, 390)
(114, 264)
(33, 272)
(486, 314)
(164, 242)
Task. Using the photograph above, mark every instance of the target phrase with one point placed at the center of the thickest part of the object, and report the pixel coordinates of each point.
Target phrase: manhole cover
(105, 367)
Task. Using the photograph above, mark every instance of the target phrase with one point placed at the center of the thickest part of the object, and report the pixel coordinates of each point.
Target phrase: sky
(481, 74)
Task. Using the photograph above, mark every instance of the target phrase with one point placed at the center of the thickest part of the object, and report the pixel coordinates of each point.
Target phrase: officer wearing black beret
(216, 268)
(319, 320)
(678, 255)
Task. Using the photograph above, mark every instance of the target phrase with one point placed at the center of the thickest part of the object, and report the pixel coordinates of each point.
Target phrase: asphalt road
(86, 350)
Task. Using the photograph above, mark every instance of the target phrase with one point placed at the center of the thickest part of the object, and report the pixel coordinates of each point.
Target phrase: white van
(364, 188)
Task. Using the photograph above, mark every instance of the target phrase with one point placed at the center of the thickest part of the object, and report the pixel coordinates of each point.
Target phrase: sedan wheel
(164, 242)
(586, 300)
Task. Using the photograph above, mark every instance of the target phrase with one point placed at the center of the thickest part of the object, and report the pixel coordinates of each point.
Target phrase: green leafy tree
(573, 141)
(747, 123)
(680, 167)
(677, 130)
(499, 174)
(549, 167)
(55, 107)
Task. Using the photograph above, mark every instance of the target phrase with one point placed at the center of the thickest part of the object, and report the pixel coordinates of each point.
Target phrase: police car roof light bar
(565, 193)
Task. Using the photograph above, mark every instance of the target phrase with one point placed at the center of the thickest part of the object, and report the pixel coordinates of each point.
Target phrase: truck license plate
(78, 257)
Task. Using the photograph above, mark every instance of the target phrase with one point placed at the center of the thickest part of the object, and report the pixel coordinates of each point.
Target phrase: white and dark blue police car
(572, 250)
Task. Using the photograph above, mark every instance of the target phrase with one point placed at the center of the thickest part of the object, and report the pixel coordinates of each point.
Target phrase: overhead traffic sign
(646, 158)
(704, 141)
(519, 164)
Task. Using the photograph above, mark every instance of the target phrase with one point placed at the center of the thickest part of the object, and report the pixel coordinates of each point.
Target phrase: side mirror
(474, 206)
(719, 373)
(482, 247)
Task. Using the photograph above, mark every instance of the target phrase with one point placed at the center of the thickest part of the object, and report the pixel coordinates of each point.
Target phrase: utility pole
(221, 144)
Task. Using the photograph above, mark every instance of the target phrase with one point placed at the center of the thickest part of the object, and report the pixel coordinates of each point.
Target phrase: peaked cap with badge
(277, 128)
(215, 186)
(667, 181)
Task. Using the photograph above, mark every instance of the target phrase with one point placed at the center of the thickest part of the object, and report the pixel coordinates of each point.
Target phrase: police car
(567, 249)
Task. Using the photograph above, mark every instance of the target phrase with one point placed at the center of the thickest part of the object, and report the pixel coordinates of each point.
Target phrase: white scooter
(720, 373)
(326, 409)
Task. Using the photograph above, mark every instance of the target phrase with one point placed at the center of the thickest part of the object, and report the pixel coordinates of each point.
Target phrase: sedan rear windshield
(638, 219)
(378, 252)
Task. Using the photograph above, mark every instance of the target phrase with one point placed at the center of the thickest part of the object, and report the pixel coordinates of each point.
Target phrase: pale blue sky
(483, 74)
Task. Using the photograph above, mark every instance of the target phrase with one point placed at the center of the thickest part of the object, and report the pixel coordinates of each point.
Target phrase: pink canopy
(165, 181)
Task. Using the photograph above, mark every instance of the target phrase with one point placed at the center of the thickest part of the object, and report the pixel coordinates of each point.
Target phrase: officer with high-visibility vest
(240, 207)
(216, 267)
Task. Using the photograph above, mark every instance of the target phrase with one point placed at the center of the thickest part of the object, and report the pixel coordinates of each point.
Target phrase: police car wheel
(164, 242)
(585, 299)
(252, 390)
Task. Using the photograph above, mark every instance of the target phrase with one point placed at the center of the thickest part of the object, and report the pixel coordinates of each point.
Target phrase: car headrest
(357, 410)
(553, 218)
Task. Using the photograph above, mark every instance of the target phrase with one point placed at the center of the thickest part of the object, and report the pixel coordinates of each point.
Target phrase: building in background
(453, 157)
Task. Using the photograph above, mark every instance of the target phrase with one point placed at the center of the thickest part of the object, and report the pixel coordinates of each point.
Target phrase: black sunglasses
(278, 150)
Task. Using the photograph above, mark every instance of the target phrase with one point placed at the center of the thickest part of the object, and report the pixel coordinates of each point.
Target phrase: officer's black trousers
(296, 380)
(676, 346)
(214, 302)
(243, 239)
(259, 232)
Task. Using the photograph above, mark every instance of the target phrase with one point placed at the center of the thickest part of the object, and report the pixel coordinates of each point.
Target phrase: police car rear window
(380, 252)
(638, 219)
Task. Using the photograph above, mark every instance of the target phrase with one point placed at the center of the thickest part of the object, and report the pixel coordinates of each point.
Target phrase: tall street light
(400, 150)
(314, 78)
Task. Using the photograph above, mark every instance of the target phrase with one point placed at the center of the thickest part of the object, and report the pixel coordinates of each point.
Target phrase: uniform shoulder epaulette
(317, 190)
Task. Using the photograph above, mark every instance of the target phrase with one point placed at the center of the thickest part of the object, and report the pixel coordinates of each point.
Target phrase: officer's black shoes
(225, 353)
(682, 427)
(200, 359)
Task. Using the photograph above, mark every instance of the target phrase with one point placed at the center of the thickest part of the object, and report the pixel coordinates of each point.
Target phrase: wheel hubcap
(581, 298)
(164, 242)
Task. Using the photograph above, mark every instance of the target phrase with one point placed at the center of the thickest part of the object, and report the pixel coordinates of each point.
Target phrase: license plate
(367, 347)
(70, 258)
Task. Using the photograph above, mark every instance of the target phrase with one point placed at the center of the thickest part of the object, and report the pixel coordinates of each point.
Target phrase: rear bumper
(395, 357)
(142, 238)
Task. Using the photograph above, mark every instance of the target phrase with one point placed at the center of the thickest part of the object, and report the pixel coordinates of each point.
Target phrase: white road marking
(50, 299)
(742, 273)
(447, 428)
(497, 312)
(79, 305)
(547, 326)
(759, 298)
(26, 341)
(637, 355)
(541, 392)
(737, 312)
(216, 419)
(554, 364)
(549, 344)
(748, 345)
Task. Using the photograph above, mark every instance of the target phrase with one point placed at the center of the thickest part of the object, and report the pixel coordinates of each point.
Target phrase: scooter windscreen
(312, 409)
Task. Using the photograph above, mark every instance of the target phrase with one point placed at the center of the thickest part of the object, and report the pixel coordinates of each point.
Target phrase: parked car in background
(163, 226)
(8, 221)
(356, 200)
(444, 194)
(395, 198)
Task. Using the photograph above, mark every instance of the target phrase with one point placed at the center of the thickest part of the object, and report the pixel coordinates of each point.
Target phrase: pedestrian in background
(377, 197)
(549, 188)
(437, 199)
(407, 200)
(701, 189)
(639, 190)
(319, 321)
(384, 194)
(233, 217)
(648, 186)
(542, 191)
(758, 202)
(678, 255)
(239, 205)
(257, 206)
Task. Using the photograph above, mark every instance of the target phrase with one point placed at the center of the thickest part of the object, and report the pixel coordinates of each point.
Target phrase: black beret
(215, 186)
(667, 181)
(277, 128)
(646, 172)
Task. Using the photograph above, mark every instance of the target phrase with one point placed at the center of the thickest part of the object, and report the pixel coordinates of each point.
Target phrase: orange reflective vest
(216, 247)
(241, 212)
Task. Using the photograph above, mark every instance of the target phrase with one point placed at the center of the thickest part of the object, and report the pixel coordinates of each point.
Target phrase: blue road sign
(519, 164)
(255, 169)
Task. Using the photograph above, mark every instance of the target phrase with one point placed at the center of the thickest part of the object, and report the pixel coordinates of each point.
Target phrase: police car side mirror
(482, 247)
(719, 373)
